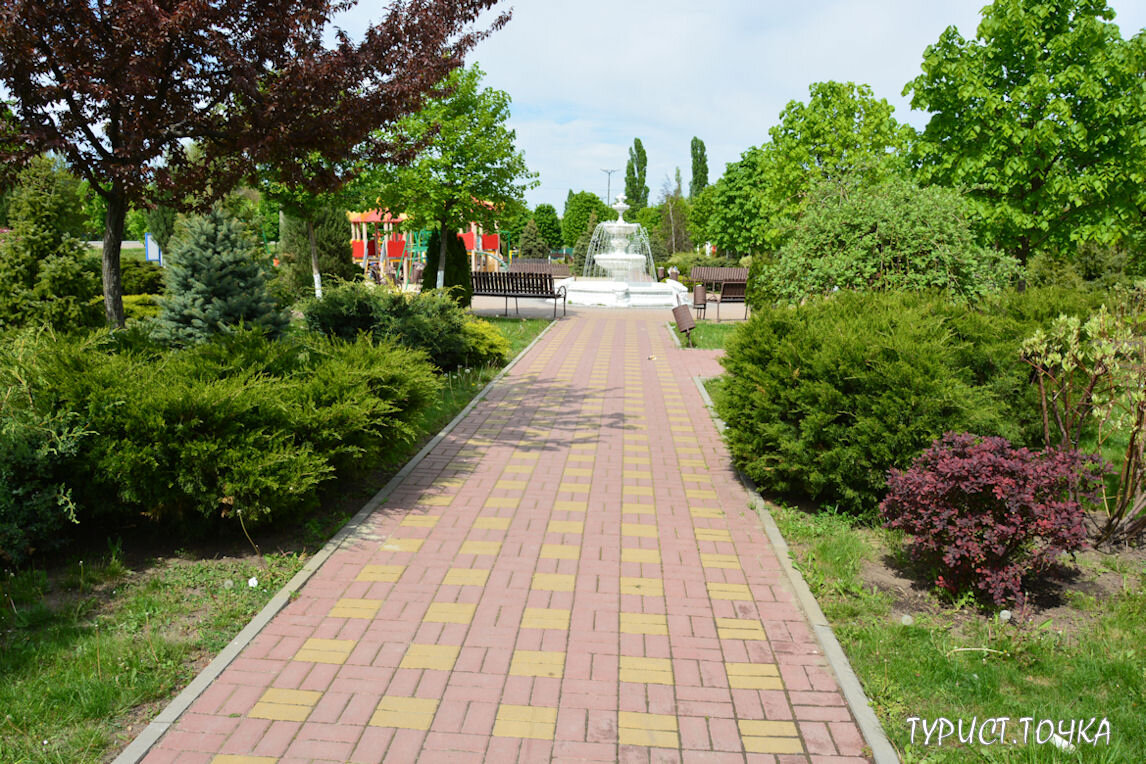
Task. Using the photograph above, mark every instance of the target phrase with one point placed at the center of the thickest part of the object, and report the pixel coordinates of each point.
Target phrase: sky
(587, 76)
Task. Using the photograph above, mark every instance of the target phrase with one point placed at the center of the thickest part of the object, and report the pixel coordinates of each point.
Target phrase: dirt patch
(1093, 574)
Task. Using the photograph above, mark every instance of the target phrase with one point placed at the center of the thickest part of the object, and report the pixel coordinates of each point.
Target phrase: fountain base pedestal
(607, 293)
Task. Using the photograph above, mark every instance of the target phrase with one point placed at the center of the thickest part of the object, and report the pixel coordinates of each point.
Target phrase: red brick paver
(573, 574)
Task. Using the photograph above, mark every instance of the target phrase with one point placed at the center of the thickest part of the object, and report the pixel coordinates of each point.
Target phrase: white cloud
(587, 77)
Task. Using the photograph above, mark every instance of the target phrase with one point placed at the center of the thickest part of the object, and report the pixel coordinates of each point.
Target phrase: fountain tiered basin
(619, 270)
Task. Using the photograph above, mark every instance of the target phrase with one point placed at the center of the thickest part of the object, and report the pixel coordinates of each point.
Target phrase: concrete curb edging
(143, 743)
(673, 333)
(870, 728)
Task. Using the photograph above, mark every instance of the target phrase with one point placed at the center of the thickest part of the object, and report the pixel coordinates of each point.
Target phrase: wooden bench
(557, 270)
(732, 291)
(518, 285)
(713, 276)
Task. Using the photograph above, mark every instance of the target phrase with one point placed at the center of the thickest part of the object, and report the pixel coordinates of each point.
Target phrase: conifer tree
(214, 284)
(332, 240)
(457, 278)
(45, 276)
(581, 247)
(533, 245)
(699, 179)
(636, 191)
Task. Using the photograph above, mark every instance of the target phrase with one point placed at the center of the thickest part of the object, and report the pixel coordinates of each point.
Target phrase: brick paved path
(573, 574)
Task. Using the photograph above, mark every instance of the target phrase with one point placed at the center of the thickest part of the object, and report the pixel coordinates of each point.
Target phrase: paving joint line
(882, 750)
(146, 740)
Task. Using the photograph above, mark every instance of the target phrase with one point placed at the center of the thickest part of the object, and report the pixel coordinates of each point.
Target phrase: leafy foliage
(581, 245)
(545, 216)
(239, 423)
(215, 93)
(579, 208)
(458, 282)
(891, 235)
(141, 277)
(823, 399)
(699, 180)
(532, 244)
(842, 130)
(46, 276)
(1040, 117)
(983, 514)
(1091, 378)
(468, 169)
(215, 284)
(37, 449)
(636, 190)
(332, 238)
(161, 224)
(429, 321)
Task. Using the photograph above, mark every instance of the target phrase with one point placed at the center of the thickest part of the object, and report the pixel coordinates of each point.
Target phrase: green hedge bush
(428, 321)
(37, 448)
(239, 423)
(885, 236)
(823, 399)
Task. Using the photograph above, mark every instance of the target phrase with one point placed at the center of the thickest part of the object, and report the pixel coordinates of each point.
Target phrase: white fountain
(619, 270)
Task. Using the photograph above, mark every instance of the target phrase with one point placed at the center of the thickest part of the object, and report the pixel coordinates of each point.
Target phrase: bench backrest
(733, 291)
(557, 270)
(711, 274)
(513, 283)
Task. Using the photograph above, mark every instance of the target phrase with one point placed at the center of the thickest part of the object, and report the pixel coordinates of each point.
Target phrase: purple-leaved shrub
(984, 514)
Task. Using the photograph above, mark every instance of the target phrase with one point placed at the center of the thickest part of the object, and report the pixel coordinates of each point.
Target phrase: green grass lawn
(90, 651)
(959, 663)
(709, 335)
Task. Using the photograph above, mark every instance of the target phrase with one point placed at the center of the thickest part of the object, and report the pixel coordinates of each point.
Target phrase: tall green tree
(117, 85)
(533, 244)
(470, 167)
(581, 244)
(45, 276)
(578, 209)
(672, 229)
(216, 282)
(457, 279)
(332, 240)
(1042, 117)
(700, 210)
(636, 190)
(545, 216)
(841, 130)
(699, 180)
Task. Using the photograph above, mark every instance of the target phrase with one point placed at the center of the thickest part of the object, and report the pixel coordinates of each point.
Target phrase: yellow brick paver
(381, 573)
(465, 577)
(753, 676)
(439, 657)
(404, 713)
(285, 705)
(350, 607)
(325, 650)
(650, 730)
(646, 670)
(769, 737)
(536, 722)
(537, 663)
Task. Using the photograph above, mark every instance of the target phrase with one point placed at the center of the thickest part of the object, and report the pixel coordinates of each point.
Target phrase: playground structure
(386, 252)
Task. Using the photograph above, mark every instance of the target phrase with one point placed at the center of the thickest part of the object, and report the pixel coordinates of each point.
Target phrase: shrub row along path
(573, 574)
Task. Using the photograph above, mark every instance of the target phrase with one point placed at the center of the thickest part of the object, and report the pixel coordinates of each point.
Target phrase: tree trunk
(442, 233)
(112, 244)
(314, 257)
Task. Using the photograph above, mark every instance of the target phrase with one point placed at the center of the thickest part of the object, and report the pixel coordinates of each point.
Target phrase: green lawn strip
(79, 655)
(519, 331)
(90, 653)
(963, 664)
(709, 335)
